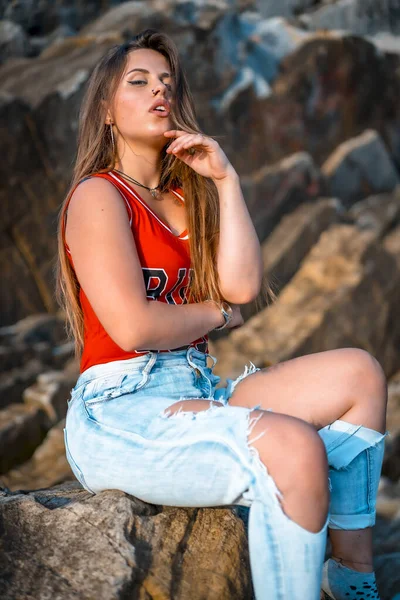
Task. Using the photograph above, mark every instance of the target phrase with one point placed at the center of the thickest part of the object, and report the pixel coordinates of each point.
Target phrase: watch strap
(226, 313)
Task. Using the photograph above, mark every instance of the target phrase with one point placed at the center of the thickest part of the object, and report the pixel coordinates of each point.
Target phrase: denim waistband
(146, 361)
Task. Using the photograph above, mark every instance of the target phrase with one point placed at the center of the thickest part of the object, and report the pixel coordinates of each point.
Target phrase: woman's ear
(108, 118)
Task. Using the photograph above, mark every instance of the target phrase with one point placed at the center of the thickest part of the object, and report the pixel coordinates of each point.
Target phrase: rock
(48, 465)
(391, 463)
(285, 8)
(277, 189)
(41, 18)
(358, 16)
(15, 381)
(38, 338)
(386, 42)
(359, 168)
(50, 392)
(386, 543)
(393, 406)
(329, 90)
(62, 542)
(288, 244)
(294, 237)
(14, 356)
(35, 328)
(388, 499)
(379, 213)
(13, 41)
(22, 429)
(391, 243)
(126, 16)
(39, 43)
(319, 309)
(61, 353)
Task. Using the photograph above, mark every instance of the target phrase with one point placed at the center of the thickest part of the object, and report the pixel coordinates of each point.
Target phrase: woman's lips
(160, 113)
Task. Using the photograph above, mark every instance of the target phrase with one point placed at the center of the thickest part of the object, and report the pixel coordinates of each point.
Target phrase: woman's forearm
(164, 326)
(239, 258)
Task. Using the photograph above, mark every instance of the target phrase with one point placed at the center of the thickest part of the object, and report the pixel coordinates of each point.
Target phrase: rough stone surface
(330, 90)
(295, 235)
(380, 213)
(15, 381)
(13, 41)
(359, 168)
(49, 392)
(277, 189)
(386, 557)
(288, 244)
(65, 543)
(22, 429)
(48, 465)
(358, 16)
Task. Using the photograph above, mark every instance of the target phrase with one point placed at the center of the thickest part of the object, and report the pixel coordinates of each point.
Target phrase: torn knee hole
(252, 422)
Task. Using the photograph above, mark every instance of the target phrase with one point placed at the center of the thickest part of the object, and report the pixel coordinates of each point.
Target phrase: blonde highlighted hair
(95, 153)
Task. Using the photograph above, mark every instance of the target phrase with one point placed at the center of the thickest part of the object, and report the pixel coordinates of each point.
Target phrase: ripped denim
(355, 457)
(119, 434)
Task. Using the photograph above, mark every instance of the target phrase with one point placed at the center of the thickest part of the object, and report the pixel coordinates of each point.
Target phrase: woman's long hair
(95, 154)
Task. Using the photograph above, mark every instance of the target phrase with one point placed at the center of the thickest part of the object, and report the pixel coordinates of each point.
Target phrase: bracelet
(226, 313)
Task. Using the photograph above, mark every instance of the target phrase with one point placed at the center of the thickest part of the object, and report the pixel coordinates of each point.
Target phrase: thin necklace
(153, 191)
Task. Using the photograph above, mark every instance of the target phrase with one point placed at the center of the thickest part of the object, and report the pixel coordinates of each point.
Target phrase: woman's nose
(159, 87)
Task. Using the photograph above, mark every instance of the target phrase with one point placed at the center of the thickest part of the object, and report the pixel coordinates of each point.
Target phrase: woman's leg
(330, 390)
(288, 513)
(320, 388)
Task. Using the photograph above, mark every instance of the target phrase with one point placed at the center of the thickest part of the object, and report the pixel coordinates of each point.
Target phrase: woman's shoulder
(87, 190)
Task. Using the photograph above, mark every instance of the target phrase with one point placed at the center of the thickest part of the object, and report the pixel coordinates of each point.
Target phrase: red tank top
(165, 261)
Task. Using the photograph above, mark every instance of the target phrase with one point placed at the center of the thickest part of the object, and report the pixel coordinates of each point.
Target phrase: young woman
(156, 249)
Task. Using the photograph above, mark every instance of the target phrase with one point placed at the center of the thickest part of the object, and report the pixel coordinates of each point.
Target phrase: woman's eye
(139, 81)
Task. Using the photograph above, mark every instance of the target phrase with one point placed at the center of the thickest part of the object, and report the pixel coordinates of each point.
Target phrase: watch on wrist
(227, 313)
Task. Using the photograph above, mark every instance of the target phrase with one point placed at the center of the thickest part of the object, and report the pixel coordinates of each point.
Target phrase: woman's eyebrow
(165, 74)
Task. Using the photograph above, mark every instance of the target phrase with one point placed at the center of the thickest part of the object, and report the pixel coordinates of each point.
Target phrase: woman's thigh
(318, 388)
(192, 458)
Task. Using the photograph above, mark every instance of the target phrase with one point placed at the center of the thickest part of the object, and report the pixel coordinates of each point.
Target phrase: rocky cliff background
(303, 95)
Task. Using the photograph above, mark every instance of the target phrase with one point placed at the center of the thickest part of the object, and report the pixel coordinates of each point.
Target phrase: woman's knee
(368, 379)
(293, 452)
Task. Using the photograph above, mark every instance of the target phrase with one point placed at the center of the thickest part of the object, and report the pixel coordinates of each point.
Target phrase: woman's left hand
(200, 152)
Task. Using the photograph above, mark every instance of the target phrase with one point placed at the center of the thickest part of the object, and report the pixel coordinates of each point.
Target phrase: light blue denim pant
(119, 435)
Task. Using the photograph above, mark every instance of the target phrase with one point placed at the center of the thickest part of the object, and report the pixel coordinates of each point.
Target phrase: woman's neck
(144, 167)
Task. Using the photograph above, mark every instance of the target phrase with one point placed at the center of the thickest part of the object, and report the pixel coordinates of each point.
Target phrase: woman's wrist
(219, 318)
(225, 310)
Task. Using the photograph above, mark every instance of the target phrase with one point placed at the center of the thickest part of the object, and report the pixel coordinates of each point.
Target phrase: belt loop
(189, 353)
(150, 362)
(147, 369)
(213, 359)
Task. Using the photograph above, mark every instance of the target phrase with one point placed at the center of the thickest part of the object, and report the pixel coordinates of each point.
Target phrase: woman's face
(145, 70)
